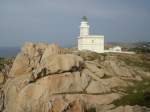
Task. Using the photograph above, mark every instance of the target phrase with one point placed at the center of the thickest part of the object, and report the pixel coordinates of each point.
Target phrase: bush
(91, 56)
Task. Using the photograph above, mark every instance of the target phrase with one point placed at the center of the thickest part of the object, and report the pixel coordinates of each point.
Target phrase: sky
(58, 21)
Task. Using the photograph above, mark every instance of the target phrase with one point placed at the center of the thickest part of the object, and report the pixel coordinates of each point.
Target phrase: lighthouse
(89, 42)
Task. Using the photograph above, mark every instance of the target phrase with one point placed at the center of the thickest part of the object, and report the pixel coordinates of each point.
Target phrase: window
(92, 41)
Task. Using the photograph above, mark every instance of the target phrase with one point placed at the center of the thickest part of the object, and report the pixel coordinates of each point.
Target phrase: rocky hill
(47, 78)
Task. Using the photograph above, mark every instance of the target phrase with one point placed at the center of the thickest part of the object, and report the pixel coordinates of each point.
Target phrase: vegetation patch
(91, 56)
(139, 94)
(142, 47)
(7, 61)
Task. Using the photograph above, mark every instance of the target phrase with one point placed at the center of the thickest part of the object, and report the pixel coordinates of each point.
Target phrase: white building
(89, 42)
(115, 49)
(118, 49)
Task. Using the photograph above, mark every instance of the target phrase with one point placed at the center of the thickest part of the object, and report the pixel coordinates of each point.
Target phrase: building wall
(95, 43)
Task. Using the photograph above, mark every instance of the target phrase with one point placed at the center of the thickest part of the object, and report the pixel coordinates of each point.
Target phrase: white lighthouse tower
(84, 27)
(89, 42)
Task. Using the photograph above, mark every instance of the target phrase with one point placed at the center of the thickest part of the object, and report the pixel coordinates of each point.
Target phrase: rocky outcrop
(31, 55)
(27, 59)
(47, 78)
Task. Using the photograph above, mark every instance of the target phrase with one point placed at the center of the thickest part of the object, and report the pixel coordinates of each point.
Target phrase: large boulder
(12, 88)
(31, 56)
(28, 58)
(62, 63)
(58, 64)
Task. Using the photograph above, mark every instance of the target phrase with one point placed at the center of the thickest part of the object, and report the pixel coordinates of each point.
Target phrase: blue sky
(58, 20)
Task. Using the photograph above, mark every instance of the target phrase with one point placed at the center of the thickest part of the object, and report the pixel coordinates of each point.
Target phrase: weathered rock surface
(47, 78)
(95, 69)
(58, 64)
(118, 69)
(28, 58)
(105, 85)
